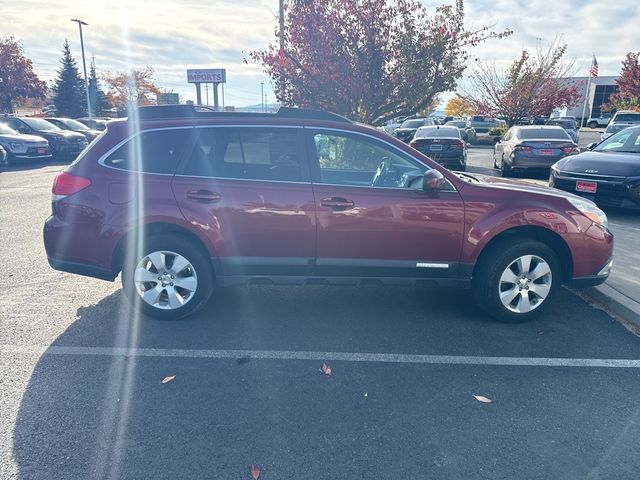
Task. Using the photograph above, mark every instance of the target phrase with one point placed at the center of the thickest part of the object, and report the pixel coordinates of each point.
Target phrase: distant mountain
(271, 107)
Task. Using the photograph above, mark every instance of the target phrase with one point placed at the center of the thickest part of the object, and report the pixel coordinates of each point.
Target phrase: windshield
(627, 140)
(543, 134)
(566, 124)
(615, 128)
(73, 124)
(627, 117)
(4, 130)
(40, 124)
(412, 123)
(435, 132)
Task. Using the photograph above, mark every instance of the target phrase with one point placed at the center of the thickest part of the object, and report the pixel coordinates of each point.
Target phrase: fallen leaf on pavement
(168, 379)
(255, 472)
(482, 399)
(326, 369)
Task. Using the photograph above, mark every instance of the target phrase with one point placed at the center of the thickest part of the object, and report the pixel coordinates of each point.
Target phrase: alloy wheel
(525, 284)
(165, 280)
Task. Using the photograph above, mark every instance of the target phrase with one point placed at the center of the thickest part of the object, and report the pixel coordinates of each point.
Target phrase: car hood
(22, 138)
(519, 186)
(65, 134)
(602, 163)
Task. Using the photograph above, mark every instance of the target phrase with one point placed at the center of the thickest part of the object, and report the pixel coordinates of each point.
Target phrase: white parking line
(320, 356)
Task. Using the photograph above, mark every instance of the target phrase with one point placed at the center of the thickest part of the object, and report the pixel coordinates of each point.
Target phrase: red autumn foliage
(532, 86)
(369, 60)
(628, 95)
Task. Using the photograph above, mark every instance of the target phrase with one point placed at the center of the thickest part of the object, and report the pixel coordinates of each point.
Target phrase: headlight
(590, 210)
(16, 146)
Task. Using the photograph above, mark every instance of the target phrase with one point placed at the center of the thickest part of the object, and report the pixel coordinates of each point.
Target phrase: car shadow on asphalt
(34, 165)
(97, 416)
(109, 416)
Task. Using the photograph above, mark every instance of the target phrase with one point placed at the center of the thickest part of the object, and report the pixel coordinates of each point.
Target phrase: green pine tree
(68, 87)
(99, 100)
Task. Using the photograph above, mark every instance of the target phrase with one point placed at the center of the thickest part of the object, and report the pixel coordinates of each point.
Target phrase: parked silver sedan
(532, 147)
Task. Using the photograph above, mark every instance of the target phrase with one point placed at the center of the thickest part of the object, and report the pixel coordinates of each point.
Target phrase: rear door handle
(203, 196)
(337, 203)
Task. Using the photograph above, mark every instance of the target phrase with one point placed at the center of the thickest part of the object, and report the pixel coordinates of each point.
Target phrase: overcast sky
(172, 36)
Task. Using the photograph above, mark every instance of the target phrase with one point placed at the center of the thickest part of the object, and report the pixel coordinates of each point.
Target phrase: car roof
(538, 127)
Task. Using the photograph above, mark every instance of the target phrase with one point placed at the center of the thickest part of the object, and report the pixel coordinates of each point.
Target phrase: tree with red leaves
(532, 86)
(131, 88)
(628, 95)
(18, 81)
(370, 60)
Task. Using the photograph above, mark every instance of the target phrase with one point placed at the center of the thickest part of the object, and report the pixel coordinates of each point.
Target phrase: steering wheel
(384, 173)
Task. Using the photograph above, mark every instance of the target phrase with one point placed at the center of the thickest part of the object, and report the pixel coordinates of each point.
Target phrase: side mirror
(433, 181)
(592, 145)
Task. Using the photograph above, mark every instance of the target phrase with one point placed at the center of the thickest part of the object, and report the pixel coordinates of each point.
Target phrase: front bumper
(31, 154)
(71, 149)
(610, 191)
(592, 280)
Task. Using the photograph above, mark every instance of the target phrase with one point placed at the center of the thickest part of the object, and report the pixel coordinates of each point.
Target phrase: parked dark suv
(183, 199)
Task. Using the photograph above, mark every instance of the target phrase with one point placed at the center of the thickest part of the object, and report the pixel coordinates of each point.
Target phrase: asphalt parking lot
(81, 389)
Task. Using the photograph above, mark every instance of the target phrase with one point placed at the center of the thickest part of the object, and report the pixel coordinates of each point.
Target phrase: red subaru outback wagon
(179, 199)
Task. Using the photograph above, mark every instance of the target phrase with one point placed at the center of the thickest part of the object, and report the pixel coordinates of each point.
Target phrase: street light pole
(281, 35)
(84, 64)
(262, 106)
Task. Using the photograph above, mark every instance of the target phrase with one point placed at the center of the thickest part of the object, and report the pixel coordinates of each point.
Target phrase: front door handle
(337, 203)
(203, 196)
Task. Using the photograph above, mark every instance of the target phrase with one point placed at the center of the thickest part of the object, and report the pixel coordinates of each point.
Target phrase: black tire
(196, 257)
(505, 169)
(486, 285)
(592, 125)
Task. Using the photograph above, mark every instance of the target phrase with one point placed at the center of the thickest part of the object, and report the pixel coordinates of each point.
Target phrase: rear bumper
(79, 248)
(519, 160)
(81, 269)
(446, 158)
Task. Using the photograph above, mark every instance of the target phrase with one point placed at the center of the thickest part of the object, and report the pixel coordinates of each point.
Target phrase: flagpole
(586, 96)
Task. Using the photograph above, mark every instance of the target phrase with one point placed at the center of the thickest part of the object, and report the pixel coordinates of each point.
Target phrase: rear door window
(251, 153)
(156, 151)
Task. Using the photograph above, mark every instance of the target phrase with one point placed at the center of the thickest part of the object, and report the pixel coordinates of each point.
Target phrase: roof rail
(152, 112)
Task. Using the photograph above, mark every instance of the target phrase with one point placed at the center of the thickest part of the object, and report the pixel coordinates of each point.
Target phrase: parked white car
(601, 121)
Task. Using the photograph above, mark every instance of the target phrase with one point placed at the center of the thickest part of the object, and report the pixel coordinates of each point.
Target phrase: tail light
(66, 184)
(523, 148)
(457, 145)
(569, 149)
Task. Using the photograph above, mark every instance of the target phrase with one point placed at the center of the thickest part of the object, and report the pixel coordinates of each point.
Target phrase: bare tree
(531, 86)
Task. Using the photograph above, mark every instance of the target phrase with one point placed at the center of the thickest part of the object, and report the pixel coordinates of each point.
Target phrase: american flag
(594, 68)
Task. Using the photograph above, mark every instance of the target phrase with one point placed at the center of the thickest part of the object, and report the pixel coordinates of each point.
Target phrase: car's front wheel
(592, 125)
(167, 278)
(505, 168)
(516, 279)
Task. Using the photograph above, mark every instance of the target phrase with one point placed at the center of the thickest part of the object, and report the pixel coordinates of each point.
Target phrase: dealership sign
(207, 75)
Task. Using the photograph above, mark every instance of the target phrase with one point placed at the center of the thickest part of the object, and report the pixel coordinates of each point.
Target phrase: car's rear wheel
(168, 278)
(516, 279)
(592, 124)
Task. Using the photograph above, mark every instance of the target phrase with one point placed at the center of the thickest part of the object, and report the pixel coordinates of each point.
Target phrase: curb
(615, 302)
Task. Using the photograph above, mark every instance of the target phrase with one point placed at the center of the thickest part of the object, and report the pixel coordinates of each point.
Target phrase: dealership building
(600, 89)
